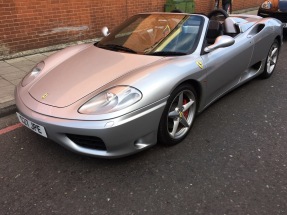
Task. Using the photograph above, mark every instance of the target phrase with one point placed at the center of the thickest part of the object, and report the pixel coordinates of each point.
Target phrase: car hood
(83, 73)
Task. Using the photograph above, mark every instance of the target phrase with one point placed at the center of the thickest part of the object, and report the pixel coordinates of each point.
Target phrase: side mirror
(220, 42)
(105, 31)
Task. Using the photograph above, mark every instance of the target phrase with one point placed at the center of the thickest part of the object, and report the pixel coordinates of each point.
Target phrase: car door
(263, 38)
(225, 66)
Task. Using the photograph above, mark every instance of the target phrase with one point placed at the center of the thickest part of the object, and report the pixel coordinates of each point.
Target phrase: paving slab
(4, 83)
(6, 98)
(3, 64)
(16, 60)
(16, 81)
(36, 58)
(23, 63)
(9, 69)
(7, 91)
(13, 75)
(26, 68)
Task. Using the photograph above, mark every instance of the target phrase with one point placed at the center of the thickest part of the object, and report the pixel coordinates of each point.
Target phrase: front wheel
(271, 60)
(178, 115)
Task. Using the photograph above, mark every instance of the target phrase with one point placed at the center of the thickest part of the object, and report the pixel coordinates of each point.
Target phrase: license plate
(284, 25)
(32, 125)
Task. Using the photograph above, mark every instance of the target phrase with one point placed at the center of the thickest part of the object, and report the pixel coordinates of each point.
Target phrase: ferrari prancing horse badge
(200, 64)
(44, 96)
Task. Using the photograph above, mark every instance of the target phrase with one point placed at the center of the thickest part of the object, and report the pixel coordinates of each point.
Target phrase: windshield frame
(182, 17)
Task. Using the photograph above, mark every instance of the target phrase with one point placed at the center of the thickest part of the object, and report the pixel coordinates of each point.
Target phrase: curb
(7, 108)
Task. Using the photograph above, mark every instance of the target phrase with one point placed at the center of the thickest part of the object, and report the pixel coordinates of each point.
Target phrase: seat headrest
(230, 26)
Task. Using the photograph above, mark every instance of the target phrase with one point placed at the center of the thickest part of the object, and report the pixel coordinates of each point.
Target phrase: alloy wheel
(181, 114)
(272, 58)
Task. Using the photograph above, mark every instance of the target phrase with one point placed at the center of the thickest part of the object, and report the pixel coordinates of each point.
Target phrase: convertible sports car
(145, 81)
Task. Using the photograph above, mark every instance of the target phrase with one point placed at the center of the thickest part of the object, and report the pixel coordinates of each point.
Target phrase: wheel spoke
(268, 67)
(187, 105)
(175, 126)
(272, 62)
(173, 114)
(184, 122)
(273, 52)
(180, 100)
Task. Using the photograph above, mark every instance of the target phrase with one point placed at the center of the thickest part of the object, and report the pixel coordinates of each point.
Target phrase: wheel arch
(196, 85)
(279, 39)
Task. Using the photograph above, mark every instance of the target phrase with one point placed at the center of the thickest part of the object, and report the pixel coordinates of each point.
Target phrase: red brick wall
(32, 24)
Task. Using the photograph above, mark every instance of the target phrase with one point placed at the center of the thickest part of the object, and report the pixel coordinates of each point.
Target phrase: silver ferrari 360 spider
(145, 81)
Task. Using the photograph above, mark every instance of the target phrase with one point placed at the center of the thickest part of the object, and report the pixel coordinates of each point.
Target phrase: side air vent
(260, 27)
(256, 29)
(256, 66)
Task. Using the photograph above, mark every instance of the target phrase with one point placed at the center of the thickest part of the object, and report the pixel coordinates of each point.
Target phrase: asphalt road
(232, 162)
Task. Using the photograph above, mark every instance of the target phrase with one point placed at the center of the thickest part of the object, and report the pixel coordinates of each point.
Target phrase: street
(232, 162)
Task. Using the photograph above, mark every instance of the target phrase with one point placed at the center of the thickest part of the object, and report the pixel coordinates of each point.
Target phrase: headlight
(266, 5)
(33, 74)
(111, 100)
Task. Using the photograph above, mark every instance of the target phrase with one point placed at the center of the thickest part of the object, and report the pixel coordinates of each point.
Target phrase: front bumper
(121, 136)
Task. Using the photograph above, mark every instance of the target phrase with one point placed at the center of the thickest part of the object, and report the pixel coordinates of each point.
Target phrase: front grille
(90, 142)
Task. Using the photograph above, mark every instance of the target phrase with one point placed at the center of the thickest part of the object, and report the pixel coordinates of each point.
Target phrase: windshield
(156, 34)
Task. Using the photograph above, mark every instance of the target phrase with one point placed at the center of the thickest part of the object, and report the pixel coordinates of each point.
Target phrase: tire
(271, 60)
(178, 115)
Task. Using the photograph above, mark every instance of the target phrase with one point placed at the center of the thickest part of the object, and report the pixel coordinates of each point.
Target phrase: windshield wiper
(167, 53)
(116, 47)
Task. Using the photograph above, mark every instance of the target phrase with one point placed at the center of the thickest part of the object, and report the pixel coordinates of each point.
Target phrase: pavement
(13, 70)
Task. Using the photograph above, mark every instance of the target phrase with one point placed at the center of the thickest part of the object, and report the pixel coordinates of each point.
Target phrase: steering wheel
(217, 12)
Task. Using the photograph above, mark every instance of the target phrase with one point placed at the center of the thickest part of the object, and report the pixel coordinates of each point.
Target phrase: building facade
(33, 24)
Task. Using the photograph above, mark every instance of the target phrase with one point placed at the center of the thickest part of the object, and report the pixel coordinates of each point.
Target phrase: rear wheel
(178, 116)
(271, 60)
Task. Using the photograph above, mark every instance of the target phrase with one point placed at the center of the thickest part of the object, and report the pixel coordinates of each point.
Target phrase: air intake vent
(90, 142)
